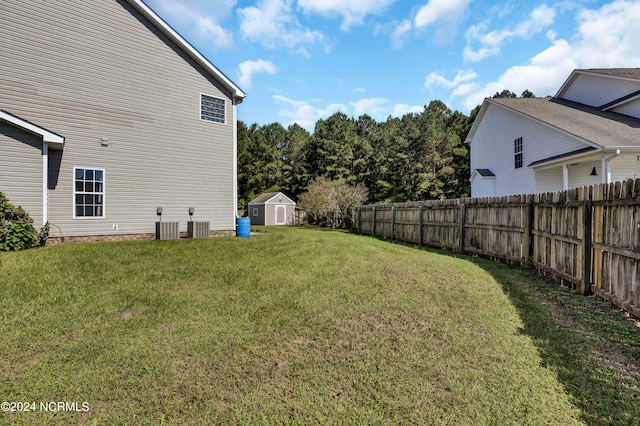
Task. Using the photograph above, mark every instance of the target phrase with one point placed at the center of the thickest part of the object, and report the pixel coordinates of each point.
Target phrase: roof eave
(53, 140)
(166, 29)
(477, 120)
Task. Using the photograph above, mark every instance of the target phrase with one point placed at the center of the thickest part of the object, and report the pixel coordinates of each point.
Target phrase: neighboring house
(588, 133)
(273, 208)
(106, 113)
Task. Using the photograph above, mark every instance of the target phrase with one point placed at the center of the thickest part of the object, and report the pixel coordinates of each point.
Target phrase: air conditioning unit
(198, 229)
(167, 230)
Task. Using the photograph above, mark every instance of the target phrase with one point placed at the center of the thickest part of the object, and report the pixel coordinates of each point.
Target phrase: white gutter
(235, 161)
(606, 166)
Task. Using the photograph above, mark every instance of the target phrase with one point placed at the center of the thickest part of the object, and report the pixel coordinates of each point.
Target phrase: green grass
(304, 326)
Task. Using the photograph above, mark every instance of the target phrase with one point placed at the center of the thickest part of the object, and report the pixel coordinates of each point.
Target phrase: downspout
(565, 177)
(606, 166)
(45, 183)
(235, 160)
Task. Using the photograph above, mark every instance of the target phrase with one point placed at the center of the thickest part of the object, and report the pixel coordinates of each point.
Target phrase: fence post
(393, 222)
(421, 224)
(373, 221)
(527, 224)
(463, 231)
(585, 284)
(359, 227)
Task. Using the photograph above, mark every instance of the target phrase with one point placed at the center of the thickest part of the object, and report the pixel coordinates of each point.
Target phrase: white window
(212, 109)
(88, 192)
(517, 148)
(255, 211)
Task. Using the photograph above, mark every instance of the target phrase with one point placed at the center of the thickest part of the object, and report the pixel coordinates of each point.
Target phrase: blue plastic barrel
(243, 227)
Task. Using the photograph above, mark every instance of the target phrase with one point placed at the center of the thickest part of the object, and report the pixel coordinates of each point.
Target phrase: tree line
(416, 157)
(419, 156)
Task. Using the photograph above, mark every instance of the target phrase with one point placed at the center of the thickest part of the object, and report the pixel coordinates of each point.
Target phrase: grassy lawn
(304, 326)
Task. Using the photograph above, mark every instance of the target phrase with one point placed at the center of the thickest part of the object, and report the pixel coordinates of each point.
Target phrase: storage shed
(272, 208)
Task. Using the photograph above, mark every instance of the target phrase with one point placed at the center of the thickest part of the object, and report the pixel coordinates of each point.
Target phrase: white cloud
(401, 109)
(249, 68)
(543, 75)
(359, 90)
(490, 42)
(304, 113)
(307, 114)
(435, 79)
(436, 10)
(399, 34)
(273, 24)
(446, 13)
(351, 11)
(374, 107)
(606, 38)
(197, 19)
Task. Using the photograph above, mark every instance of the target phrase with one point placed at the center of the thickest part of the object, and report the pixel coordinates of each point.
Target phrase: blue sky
(303, 60)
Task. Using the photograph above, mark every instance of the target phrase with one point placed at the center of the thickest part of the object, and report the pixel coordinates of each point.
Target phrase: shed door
(281, 215)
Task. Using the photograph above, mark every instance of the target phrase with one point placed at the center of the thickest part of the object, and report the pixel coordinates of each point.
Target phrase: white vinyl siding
(21, 170)
(631, 108)
(493, 148)
(598, 90)
(70, 70)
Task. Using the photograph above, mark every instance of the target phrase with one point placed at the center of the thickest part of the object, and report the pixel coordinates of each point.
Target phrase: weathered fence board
(588, 238)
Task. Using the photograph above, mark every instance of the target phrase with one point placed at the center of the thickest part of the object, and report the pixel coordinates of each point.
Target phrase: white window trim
(518, 142)
(255, 211)
(200, 109)
(104, 194)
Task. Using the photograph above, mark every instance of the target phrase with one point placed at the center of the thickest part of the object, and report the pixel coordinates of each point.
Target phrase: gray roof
(603, 128)
(565, 155)
(617, 72)
(261, 199)
(485, 172)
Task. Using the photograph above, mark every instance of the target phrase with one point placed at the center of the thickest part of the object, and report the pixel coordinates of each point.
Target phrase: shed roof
(167, 30)
(268, 196)
(605, 129)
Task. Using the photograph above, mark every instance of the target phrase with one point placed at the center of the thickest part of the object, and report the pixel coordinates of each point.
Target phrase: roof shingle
(603, 128)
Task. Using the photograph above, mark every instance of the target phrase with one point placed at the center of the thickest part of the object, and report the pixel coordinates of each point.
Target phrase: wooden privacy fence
(587, 237)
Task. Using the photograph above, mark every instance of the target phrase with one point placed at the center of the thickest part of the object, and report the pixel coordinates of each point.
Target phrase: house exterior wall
(482, 186)
(492, 148)
(21, 170)
(257, 214)
(99, 70)
(548, 180)
(580, 174)
(598, 90)
(630, 108)
(624, 167)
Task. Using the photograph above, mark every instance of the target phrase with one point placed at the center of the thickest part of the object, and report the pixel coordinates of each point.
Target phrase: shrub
(16, 228)
(331, 203)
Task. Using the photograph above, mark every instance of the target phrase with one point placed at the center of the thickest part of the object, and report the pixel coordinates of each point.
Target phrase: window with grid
(517, 148)
(88, 192)
(212, 109)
